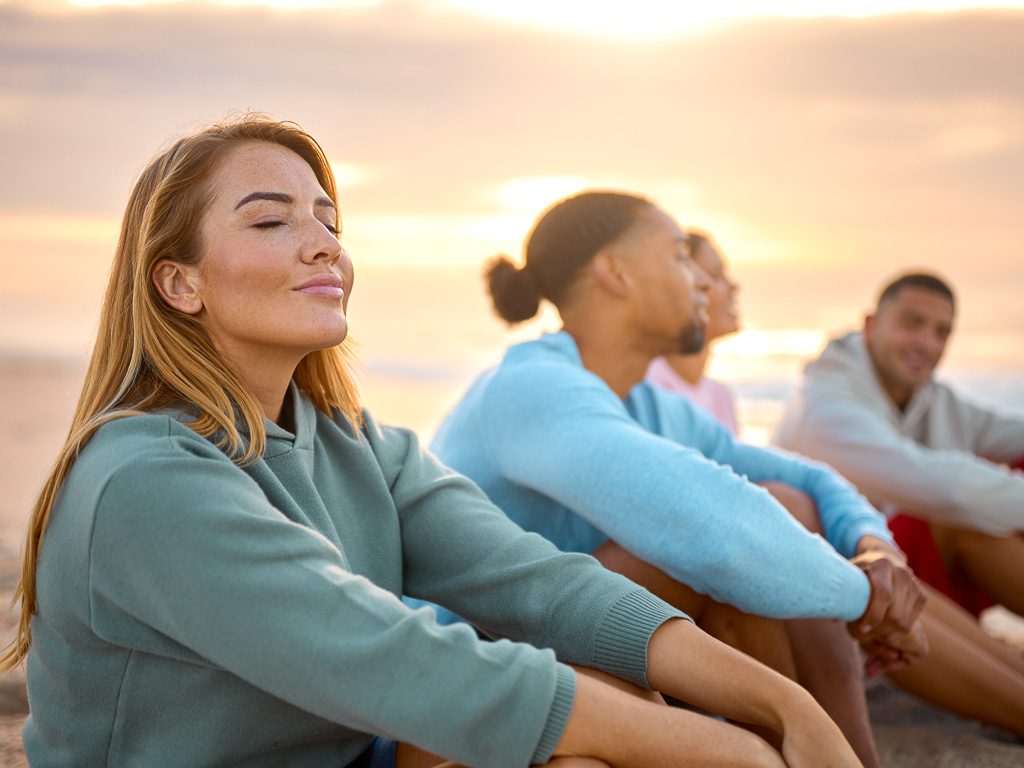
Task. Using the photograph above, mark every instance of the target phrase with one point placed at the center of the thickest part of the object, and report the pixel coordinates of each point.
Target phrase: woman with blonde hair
(213, 567)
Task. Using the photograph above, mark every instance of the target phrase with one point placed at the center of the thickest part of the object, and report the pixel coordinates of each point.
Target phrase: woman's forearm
(688, 664)
(627, 731)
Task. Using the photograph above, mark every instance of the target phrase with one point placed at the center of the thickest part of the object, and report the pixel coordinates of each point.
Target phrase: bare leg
(759, 637)
(966, 671)
(409, 756)
(994, 563)
(942, 609)
(828, 660)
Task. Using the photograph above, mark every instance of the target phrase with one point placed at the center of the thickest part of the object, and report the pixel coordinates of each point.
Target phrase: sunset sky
(826, 152)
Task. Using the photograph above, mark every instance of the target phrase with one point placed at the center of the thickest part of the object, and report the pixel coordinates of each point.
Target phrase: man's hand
(895, 652)
(888, 631)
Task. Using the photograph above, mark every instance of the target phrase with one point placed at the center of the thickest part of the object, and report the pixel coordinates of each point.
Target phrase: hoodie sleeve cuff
(561, 706)
(621, 643)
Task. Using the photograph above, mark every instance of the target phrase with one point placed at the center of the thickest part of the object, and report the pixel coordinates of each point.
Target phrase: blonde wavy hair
(149, 355)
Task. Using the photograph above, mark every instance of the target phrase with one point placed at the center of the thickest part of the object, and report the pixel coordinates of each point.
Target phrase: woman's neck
(689, 367)
(267, 375)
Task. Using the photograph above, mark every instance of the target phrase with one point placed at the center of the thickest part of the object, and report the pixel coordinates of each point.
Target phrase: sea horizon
(415, 390)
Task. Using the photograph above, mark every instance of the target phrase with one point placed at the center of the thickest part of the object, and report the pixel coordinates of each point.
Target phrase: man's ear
(611, 273)
(178, 285)
(869, 324)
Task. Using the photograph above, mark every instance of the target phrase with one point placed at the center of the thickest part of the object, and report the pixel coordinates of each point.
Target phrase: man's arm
(998, 437)
(950, 487)
(561, 432)
(844, 516)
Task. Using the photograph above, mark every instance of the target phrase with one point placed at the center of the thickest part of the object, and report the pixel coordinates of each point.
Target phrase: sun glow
(287, 5)
(69, 228)
(348, 175)
(639, 17)
(755, 343)
(535, 194)
(655, 17)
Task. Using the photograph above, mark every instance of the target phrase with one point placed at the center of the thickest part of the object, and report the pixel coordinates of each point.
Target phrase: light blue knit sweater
(562, 455)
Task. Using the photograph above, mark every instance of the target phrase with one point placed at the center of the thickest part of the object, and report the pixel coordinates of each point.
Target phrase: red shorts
(915, 538)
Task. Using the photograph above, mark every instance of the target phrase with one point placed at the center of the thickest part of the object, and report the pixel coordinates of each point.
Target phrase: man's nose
(701, 279)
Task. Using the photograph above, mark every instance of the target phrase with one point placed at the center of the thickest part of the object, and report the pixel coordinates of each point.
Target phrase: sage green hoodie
(195, 613)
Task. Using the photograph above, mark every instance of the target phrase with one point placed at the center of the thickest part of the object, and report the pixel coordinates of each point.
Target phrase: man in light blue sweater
(568, 441)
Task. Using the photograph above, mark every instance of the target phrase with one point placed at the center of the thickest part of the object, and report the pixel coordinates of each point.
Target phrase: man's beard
(692, 339)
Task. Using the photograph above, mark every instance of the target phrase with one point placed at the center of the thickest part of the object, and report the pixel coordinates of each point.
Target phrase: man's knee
(960, 541)
(800, 505)
(613, 557)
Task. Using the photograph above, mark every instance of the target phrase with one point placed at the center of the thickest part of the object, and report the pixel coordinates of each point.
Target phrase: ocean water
(416, 391)
(411, 377)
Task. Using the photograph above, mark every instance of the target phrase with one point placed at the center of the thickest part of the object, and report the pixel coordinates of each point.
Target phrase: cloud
(812, 142)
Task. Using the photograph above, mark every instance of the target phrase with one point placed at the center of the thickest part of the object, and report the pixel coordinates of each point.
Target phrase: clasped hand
(889, 630)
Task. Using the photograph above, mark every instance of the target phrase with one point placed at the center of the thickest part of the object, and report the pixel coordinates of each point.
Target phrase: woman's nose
(323, 245)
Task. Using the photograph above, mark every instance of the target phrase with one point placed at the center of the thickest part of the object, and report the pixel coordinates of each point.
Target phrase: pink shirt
(713, 396)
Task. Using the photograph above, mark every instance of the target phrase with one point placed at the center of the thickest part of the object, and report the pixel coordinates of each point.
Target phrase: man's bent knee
(800, 505)
(613, 557)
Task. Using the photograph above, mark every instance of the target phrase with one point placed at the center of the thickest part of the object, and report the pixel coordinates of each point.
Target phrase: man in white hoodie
(937, 465)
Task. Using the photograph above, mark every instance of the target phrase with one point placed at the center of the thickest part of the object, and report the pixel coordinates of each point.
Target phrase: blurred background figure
(685, 373)
(966, 672)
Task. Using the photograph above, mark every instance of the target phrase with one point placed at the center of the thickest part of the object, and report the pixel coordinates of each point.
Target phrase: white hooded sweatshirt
(940, 457)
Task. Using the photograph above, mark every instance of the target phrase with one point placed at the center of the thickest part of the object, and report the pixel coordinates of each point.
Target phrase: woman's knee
(800, 505)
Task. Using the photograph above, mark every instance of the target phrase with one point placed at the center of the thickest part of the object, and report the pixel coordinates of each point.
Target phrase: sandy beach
(40, 397)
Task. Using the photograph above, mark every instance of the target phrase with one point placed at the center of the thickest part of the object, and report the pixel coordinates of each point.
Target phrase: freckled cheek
(244, 293)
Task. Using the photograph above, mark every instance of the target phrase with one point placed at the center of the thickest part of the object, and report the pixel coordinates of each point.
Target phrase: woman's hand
(686, 663)
(812, 740)
(628, 729)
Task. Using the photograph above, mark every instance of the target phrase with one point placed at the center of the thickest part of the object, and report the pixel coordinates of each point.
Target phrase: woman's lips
(324, 285)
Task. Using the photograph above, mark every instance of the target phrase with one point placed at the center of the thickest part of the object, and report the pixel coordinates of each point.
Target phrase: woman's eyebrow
(277, 197)
(283, 197)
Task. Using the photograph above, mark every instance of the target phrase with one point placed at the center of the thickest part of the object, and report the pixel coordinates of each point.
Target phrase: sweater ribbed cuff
(621, 643)
(561, 706)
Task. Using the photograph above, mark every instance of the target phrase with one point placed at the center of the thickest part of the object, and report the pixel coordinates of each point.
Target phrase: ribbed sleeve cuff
(850, 596)
(621, 643)
(565, 694)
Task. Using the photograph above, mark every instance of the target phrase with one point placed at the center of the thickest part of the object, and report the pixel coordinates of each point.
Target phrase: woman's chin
(327, 339)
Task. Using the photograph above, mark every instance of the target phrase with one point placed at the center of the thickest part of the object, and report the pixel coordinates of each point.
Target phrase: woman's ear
(178, 285)
(610, 273)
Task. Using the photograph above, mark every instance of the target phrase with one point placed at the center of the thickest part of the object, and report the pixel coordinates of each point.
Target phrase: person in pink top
(685, 373)
(966, 671)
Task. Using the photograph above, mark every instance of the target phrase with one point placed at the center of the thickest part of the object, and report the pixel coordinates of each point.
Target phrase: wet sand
(39, 398)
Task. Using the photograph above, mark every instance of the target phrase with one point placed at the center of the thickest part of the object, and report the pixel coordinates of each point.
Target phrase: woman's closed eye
(271, 224)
